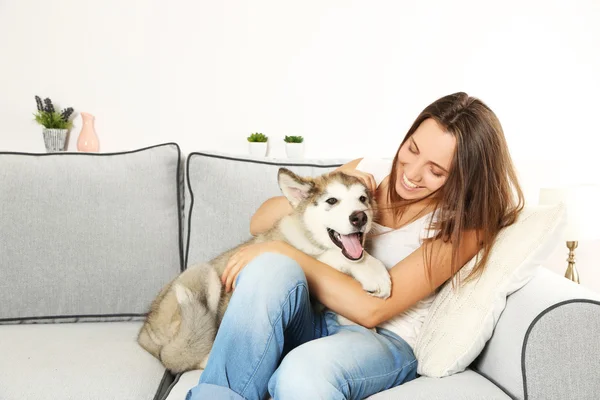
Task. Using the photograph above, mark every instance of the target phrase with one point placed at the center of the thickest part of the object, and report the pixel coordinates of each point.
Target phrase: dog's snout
(358, 219)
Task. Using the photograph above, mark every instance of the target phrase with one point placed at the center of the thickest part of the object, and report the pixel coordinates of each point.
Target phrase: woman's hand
(243, 256)
(366, 178)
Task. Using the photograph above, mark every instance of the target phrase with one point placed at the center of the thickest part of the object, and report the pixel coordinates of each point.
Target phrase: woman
(449, 190)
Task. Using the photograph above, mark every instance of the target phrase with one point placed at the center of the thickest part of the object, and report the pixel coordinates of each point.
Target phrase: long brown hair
(481, 192)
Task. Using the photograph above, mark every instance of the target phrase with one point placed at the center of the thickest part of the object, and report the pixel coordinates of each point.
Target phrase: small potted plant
(56, 125)
(294, 146)
(258, 144)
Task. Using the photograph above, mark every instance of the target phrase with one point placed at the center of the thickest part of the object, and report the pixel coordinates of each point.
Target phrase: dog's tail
(190, 347)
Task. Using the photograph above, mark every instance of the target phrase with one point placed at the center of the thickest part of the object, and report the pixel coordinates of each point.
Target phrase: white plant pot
(55, 140)
(257, 149)
(294, 150)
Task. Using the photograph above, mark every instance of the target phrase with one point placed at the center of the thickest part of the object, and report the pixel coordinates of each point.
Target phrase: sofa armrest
(545, 345)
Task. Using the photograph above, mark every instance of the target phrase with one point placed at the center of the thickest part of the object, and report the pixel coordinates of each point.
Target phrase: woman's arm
(276, 208)
(268, 214)
(345, 296)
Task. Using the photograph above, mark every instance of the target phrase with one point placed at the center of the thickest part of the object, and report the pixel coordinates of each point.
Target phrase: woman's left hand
(242, 257)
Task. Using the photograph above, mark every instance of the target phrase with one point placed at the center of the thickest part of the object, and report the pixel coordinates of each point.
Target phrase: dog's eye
(363, 199)
(331, 201)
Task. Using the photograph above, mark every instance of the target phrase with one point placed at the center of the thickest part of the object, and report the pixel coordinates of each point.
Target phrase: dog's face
(336, 209)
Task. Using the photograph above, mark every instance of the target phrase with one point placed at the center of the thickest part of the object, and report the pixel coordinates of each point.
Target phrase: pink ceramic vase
(88, 140)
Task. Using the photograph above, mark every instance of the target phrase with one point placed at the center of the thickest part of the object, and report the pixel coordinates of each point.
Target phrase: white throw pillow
(461, 320)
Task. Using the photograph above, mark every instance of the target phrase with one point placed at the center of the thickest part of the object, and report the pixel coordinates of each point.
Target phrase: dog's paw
(374, 278)
(183, 294)
(378, 286)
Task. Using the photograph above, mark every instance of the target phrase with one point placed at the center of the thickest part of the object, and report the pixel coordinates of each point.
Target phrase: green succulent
(293, 139)
(257, 138)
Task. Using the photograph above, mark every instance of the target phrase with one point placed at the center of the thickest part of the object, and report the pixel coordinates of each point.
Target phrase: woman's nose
(413, 173)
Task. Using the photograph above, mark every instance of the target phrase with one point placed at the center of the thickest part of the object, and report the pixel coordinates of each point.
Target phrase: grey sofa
(87, 241)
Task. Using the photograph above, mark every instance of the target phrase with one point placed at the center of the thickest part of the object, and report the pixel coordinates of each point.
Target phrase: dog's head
(337, 209)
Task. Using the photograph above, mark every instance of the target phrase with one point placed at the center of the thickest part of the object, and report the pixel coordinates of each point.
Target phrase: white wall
(350, 76)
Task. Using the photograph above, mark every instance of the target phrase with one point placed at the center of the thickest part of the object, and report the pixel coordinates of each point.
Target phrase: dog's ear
(293, 187)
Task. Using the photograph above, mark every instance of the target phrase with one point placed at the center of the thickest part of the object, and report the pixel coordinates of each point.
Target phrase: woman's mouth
(408, 185)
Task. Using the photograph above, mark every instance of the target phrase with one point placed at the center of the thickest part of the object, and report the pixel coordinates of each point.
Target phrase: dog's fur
(184, 318)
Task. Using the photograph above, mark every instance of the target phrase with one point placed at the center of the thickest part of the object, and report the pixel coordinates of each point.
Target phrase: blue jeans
(271, 340)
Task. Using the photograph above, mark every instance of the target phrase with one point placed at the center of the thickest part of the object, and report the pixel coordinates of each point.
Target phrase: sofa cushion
(76, 361)
(87, 236)
(182, 384)
(224, 192)
(461, 320)
(468, 385)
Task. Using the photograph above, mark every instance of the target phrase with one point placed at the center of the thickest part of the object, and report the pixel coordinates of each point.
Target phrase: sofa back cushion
(224, 192)
(88, 236)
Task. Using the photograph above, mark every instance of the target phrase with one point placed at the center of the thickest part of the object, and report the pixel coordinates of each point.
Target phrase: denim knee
(308, 376)
(271, 272)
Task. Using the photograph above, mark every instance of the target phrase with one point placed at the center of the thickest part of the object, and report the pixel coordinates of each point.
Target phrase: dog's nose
(358, 219)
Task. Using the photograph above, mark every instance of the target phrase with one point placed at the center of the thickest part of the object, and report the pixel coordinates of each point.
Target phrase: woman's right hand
(365, 177)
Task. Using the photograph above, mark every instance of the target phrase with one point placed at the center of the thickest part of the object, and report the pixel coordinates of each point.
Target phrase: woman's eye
(362, 199)
(412, 150)
(436, 174)
(331, 201)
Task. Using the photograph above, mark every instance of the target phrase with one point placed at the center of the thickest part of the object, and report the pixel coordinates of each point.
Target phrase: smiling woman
(454, 161)
(424, 160)
(449, 190)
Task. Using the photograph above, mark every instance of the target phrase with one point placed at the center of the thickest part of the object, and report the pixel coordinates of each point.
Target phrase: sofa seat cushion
(468, 385)
(76, 361)
(182, 384)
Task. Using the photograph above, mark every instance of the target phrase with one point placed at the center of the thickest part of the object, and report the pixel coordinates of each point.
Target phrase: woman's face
(424, 161)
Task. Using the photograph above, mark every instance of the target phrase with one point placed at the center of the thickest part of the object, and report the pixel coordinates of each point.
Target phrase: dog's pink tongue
(352, 245)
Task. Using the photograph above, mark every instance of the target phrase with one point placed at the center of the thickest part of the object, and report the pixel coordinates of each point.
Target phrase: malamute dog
(331, 216)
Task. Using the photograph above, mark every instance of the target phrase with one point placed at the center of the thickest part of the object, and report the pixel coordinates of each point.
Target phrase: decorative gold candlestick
(572, 273)
(581, 219)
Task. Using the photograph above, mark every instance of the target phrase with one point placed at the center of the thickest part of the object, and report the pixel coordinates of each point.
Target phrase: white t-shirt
(393, 245)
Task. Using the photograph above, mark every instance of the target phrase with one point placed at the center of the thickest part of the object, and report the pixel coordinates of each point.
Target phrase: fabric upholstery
(91, 361)
(464, 386)
(467, 385)
(183, 384)
(87, 236)
(559, 359)
(501, 360)
(224, 193)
